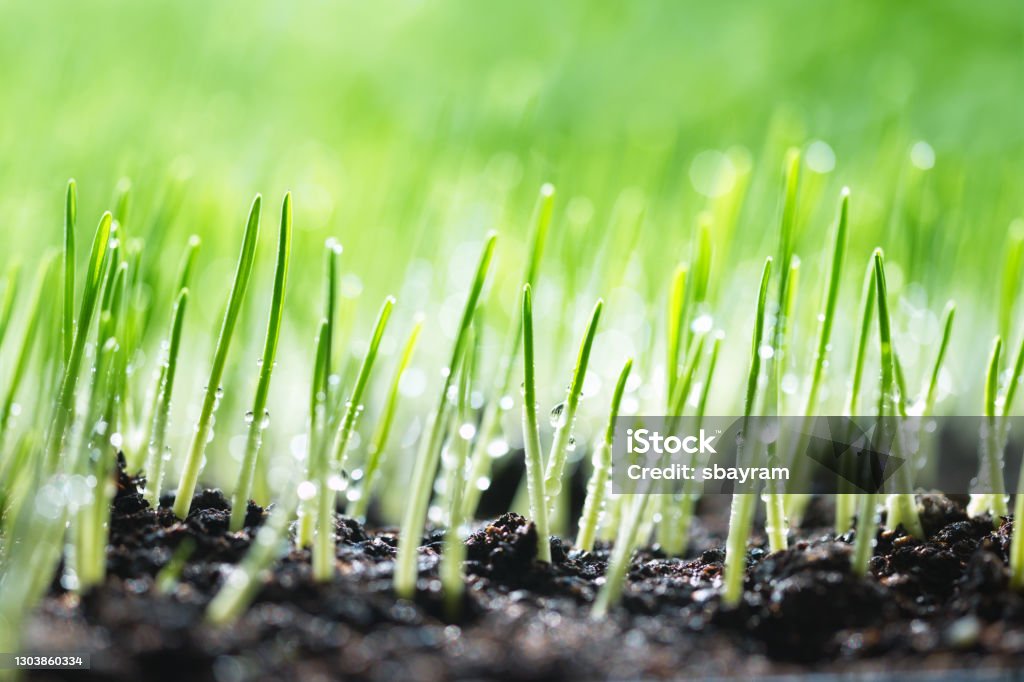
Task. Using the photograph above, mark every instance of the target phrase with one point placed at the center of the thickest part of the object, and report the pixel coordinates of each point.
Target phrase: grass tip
(547, 190)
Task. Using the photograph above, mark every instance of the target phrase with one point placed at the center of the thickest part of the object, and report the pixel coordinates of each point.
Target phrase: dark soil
(940, 604)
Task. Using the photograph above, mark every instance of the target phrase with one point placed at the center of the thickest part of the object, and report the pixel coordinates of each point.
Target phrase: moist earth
(942, 603)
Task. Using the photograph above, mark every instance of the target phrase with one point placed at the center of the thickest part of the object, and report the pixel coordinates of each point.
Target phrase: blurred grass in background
(407, 129)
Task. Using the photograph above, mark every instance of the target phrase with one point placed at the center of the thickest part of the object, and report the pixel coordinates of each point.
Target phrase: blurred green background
(408, 129)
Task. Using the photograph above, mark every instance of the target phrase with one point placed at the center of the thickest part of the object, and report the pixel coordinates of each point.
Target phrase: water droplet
(307, 491)
(559, 416)
(497, 448)
(506, 403)
(265, 422)
(249, 417)
(702, 324)
(766, 351)
(337, 483)
(571, 445)
(483, 483)
(116, 440)
(467, 431)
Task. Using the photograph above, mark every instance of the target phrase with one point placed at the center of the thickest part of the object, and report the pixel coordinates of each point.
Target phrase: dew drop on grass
(337, 483)
(467, 431)
(702, 324)
(559, 417)
(435, 514)
(766, 351)
(249, 417)
(506, 403)
(497, 448)
(265, 422)
(571, 445)
(307, 491)
(483, 483)
(354, 495)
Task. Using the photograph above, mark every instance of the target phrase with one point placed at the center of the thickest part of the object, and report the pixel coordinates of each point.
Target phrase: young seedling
(379, 441)
(563, 416)
(826, 319)
(204, 427)
(455, 459)
(70, 217)
(889, 412)
(502, 399)
(776, 524)
(1017, 541)
(72, 369)
(45, 276)
(157, 451)
(741, 516)
(316, 463)
(333, 477)
(902, 508)
(991, 474)
(430, 451)
(597, 487)
(10, 293)
(535, 483)
(846, 501)
(257, 418)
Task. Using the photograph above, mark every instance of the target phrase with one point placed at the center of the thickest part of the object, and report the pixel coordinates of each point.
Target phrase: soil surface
(940, 604)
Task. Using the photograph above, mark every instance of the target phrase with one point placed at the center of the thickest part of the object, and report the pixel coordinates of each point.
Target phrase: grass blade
(157, 452)
(427, 459)
(480, 459)
(204, 427)
(597, 487)
(70, 217)
(535, 482)
(564, 414)
(257, 418)
(741, 516)
(379, 441)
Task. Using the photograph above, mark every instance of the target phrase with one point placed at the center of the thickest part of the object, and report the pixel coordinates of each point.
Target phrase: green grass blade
(427, 458)
(741, 516)
(379, 441)
(1013, 273)
(902, 506)
(564, 415)
(194, 461)
(11, 280)
(73, 366)
(45, 277)
(597, 487)
(157, 452)
(454, 551)
(333, 481)
(70, 217)
(480, 459)
(676, 323)
(316, 456)
(535, 482)
(932, 388)
(257, 417)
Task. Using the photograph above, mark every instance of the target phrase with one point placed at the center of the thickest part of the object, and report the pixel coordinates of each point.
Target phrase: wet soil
(941, 604)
